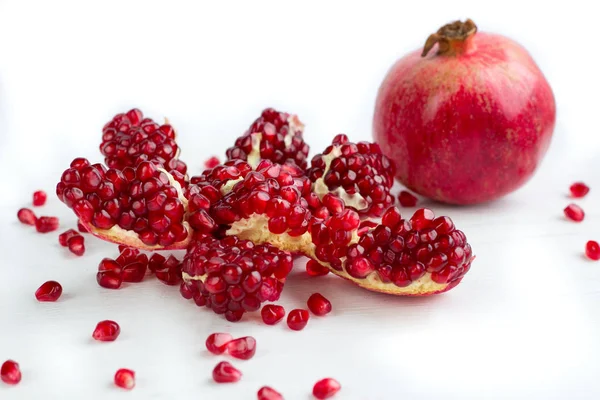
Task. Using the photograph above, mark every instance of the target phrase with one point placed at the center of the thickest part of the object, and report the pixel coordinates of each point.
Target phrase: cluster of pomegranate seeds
(318, 304)
(216, 343)
(224, 372)
(579, 189)
(275, 136)
(167, 270)
(106, 331)
(297, 319)
(211, 162)
(129, 266)
(326, 388)
(313, 268)
(233, 276)
(73, 240)
(357, 172)
(592, 250)
(407, 199)
(26, 216)
(574, 213)
(125, 378)
(39, 198)
(272, 314)
(268, 393)
(49, 291)
(10, 373)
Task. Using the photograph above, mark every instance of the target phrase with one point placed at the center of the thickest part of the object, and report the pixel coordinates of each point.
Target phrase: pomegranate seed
(407, 199)
(212, 162)
(46, 224)
(326, 388)
(297, 319)
(76, 245)
(81, 227)
(272, 314)
(242, 348)
(10, 372)
(318, 304)
(313, 268)
(574, 212)
(579, 189)
(592, 250)
(224, 372)
(267, 393)
(26, 216)
(49, 291)
(39, 198)
(125, 378)
(106, 331)
(109, 279)
(66, 235)
(216, 343)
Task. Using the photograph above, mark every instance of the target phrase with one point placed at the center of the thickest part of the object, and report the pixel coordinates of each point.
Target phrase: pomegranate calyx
(450, 37)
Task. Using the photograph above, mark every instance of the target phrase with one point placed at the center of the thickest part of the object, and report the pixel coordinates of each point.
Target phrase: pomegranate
(125, 378)
(106, 331)
(66, 235)
(326, 388)
(574, 213)
(318, 304)
(469, 122)
(26, 216)
(297, 319)
(272, 313)
(39, 198)
(129, 266)
(10, 373)
(592, 250)
(49, 291)
(243, 348)
(579, 189)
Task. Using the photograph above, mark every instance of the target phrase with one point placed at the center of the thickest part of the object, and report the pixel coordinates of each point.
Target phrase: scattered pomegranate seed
(49, 291)
(579, 189)
(267, 393)
(26, 216)
(216, 343)
(66, 235)
(574, 212)
(326, 388)
(272, 314)
(10, 372)
(39, 198)
(81, 228)
(407, 199)
(46, 224)
(313, 268)
(212, 162)
(318, 304)
(125, 378)
(224, 372)
(242, 348)
(76, 245)
(109, 274)
(297, 319)
(592, 250)
(106, 331)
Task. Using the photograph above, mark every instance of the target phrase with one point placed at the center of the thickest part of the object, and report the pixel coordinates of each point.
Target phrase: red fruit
(125, 378)
(76, 245)
(267, 393)
(81, 227)
(592, 250)
(486, 130)
(39, 198)
(216, 343)
(297, 319)
(46, 224)
(168, 272)
(10, 373)
(313, 268)
(318, 304)
(106, 331)
(66, 235)
(579, 189)
(211, 162)
(49, 291)
(407, 199)
(242, 348)
(574, 212)
(272, 314)
(224, 372)
(326, 388)
(26, 216)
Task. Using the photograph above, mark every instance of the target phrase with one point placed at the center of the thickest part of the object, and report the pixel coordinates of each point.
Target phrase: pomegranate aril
(135, 271)
(313, 268)
(65, 236)
(81, 228)
(574, 212)
(26, 216)
(407, 199)
(243, 348)
(272, 314)
(318, 304)
(326, 388)
(39, 198)
(106, 331)
(297, 319)
(46, 224)
(267, 393)
(216, 343)
(109, 279)
(49, 291)
(579, 189)
(10, 373)
(125, 378)
(211, 162)
(592, 250)
(224, 372)
(76, 245)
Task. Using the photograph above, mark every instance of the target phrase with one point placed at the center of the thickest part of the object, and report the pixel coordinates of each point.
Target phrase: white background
(524, 324)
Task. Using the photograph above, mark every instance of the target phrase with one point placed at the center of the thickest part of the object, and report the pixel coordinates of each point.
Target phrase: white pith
(254, 155)
(228, 186)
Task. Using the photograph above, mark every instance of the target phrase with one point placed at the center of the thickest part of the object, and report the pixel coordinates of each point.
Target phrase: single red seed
(574, 212)
(326, 388)
(313, 268)
(267, 393)
(407, 199)
(592, 250)
(579, 189)
(76, 245)
(39, 198)
(224, 372)
(81, 227)
(243, 348)
(272, 314)
(109, 279)
(318, 304)
(66, 235)
(297, 319)
(212, 162)
(106, 331)
(10, 372)
(46, 224)
(125, 378)
(49, 291)
(216, 343)
(26, 216)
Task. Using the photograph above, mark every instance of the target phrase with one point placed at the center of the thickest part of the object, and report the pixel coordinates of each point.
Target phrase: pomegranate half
(468, 122)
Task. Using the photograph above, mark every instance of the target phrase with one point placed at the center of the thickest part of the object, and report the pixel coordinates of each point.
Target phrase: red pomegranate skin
(467, 127)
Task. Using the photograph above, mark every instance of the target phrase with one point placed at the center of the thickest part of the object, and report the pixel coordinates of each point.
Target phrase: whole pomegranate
(469, 122)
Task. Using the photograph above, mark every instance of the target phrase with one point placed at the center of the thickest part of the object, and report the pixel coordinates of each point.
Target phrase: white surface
(524, 324)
